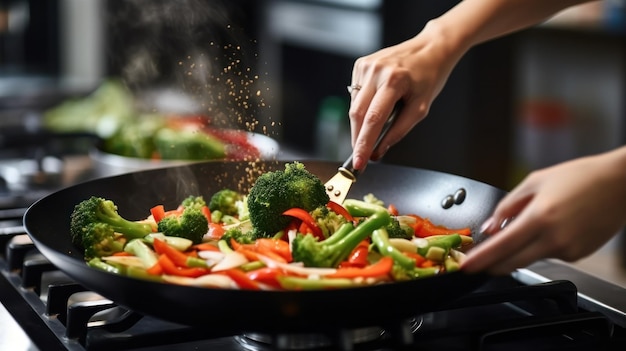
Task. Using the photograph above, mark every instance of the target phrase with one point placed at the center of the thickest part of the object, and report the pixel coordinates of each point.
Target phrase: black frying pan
(411, 190)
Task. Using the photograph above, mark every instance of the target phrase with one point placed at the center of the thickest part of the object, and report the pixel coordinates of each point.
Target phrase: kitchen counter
(12, 337)
(606, 263)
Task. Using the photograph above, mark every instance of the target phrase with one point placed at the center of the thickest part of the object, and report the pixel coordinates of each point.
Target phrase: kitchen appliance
(548, 305)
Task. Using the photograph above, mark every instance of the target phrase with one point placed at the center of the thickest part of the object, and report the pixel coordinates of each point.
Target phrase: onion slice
(230, 260)
(296, 268)
(205, 281)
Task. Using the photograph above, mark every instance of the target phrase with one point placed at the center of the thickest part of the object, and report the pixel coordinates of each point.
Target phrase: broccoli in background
(275, 192)
(96, 226)
(188, 145)
(225, 201)
(194, 201)
(135, 138)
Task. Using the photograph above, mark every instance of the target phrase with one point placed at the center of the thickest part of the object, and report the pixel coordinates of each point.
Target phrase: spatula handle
(347, 168)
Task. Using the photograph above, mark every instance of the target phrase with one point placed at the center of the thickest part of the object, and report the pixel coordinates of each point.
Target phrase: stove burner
(22, 174)
(341, 339)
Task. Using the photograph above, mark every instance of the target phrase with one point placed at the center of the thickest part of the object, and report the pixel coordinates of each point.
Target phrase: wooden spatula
(338, 186)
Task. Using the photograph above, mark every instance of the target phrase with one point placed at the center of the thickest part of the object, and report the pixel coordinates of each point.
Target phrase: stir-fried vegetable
(327, 246)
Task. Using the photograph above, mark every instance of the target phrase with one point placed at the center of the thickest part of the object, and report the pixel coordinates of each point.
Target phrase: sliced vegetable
(231, 260)
(169, 267)
(241, 279)
(158, 212)
(340, 210)
(266, 275)
(206, 281)
(426, 228)
(298, 283)
(380, 268)
(179, 258)
(358, 256)
(307, 219)
(280, 247)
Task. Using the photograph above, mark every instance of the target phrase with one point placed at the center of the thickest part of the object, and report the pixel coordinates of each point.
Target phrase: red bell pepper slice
(241, 279)
(306, 218)
(215, 230)
(340, 210)
(393, 210)
(280, 247)
(158, 213)
(170, 268)
(419, 259)
(266, 275)
(156, 269)
(358, 256)
(380, 268)
(177, 257)
(205, 247)
(206, 212)
(428, 228)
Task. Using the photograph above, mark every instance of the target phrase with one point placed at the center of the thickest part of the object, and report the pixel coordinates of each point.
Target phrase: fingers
(509, 207)
(370, 108)
(511, 248)
(368, 128)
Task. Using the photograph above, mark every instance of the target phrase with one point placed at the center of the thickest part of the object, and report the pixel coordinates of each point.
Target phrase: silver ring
(353, 87)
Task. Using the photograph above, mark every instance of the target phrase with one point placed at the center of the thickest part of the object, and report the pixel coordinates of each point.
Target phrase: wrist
(445, 42)
(451, 41)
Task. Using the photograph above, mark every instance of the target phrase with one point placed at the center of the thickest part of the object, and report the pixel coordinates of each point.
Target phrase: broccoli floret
(240, 236)
(400, 273)
(372, 199)
(242, 208)
(188, 145)
(99, 210)
(190, 224)
(396, 229)
(194, 201)
(277, 191)
(135, 138)
(328, 221)
(225, 201)
(332, 251)
(100, 240)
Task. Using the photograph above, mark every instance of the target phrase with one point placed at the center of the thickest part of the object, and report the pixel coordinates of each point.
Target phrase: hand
(566, 211)
(413, 71)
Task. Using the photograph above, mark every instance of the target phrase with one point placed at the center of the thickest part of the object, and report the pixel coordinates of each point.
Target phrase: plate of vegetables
(265, 235)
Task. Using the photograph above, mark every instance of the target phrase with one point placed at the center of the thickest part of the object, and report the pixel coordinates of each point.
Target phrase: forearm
(616, 160)
(472, 22)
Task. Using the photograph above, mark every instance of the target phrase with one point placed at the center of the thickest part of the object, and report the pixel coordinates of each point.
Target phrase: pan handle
(347, 169)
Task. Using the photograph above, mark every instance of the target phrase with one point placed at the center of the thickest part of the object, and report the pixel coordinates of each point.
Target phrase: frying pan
(412, 190)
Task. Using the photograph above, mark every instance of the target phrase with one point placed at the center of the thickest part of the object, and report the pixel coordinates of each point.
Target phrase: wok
(412, 190)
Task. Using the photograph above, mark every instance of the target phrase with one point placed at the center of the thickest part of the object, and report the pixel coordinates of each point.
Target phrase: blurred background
(280, 68)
